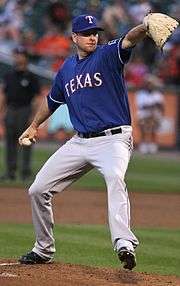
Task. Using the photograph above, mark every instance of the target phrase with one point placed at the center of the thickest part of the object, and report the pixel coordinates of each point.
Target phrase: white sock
(123, 243)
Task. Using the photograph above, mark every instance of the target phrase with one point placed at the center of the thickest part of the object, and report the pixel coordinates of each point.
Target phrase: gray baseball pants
(110, 155)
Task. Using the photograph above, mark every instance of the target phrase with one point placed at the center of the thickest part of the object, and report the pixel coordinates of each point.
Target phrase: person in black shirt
(19, 91)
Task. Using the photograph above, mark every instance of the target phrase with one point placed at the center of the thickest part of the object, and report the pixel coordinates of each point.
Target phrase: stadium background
(44, 28)
(80, 214)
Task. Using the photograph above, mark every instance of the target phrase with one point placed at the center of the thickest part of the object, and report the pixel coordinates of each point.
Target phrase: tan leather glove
(159, 27)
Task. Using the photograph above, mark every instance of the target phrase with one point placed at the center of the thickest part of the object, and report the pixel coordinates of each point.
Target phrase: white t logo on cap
(90, 18)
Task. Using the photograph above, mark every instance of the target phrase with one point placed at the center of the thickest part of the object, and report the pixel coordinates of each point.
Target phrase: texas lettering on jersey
(83, 81)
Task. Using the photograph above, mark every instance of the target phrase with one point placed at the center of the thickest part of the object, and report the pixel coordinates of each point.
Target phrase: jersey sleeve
(56, 97)
(124, 54)
(114, 51)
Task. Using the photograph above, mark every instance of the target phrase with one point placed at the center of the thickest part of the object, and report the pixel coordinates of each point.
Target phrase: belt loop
(80, 135)
(108, 132)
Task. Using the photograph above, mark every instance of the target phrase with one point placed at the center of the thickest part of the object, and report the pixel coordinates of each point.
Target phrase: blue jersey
(94, 89)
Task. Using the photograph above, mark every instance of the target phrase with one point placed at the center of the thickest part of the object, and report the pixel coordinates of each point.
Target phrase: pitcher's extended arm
(134, 36)
(42, 114)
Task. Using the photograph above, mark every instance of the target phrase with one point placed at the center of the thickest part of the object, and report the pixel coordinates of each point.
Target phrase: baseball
(27, 141)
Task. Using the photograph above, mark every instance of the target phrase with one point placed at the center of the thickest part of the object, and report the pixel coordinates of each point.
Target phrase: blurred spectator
(115, 19)
(12, 19)
(94, 7)
(136, 71)
(91, 7)
(53, 47)
(43, 28)
(28, 41)
(34, 17)
(57, 61)
(149, 52)
(169, 68)
(175, 9)
(42, 24)
(17, 97)
(59, 14)
(53, 44)
(139, 10)
(149, 102)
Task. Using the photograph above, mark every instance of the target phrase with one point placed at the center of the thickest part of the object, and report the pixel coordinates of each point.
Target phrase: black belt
(102, 133)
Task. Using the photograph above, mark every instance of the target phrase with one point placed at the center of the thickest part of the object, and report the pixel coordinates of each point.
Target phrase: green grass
(154, 174)
(145, 174)
(150, 173)
(91, 245)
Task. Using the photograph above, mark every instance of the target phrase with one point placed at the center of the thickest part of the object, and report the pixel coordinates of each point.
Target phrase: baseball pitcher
(92, 85)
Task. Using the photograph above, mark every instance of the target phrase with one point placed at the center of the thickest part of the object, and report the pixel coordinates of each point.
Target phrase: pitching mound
(58, 274)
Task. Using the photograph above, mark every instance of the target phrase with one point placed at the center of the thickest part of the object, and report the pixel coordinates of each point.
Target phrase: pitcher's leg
(111, 159)
(43, 221)
(64, 167)
(119, 212)
(113, 164)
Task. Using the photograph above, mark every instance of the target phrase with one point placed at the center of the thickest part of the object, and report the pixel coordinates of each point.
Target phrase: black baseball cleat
(33, 258)
(127, 258)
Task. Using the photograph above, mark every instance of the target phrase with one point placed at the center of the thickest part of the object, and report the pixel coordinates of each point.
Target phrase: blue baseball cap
(83, 23)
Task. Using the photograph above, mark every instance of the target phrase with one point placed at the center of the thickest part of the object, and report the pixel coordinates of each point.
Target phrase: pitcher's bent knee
(115, 176)
(35, 189)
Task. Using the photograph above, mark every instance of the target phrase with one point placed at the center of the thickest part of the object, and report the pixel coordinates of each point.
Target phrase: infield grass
(91, 245)
(146, 173)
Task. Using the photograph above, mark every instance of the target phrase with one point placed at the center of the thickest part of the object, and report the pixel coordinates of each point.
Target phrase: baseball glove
(159, 27)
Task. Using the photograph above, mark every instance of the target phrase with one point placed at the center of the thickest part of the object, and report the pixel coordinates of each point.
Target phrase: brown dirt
(73, 206)
(89, 207)
(58, 274)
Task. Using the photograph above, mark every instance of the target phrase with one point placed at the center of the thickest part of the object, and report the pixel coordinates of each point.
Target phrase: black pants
(16, 121)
